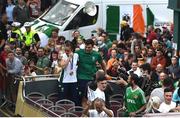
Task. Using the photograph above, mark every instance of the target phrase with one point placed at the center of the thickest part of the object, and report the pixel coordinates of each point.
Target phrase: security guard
(30, 36)
(16, 35)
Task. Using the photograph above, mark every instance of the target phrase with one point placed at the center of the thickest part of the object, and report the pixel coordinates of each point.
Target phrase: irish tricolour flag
(137, 17)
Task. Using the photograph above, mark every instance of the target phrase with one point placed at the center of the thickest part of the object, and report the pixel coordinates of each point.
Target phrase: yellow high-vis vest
(20, 35)
(29, 38)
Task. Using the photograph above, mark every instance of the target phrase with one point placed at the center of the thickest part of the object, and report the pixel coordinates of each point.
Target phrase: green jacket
(108, 43)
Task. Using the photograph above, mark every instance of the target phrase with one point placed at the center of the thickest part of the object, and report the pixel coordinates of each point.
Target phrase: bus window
(82, 19)
(59, 14)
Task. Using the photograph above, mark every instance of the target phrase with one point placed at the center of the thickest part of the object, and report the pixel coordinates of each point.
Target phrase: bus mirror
(90, 8)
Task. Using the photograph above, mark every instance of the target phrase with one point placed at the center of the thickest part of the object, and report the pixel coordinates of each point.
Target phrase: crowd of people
(24, 10)
(147, 66)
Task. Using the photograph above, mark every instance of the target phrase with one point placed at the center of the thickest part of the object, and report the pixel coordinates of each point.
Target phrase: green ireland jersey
(87, 64)
(134, 99)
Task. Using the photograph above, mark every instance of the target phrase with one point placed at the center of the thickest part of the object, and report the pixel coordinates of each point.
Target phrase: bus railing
(25, 101)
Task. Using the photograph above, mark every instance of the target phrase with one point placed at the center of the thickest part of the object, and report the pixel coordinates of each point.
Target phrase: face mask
(99, 42)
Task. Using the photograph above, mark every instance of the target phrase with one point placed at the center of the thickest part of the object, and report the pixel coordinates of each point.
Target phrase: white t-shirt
(92, 95)
(137, 72)
(70, 75)
(54, 64)
(94, 113)
(43, 39)
(165, 108)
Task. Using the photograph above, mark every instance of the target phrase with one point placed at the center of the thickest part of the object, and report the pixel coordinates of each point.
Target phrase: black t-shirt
(3, 31)
(126, 33)
(3, 34)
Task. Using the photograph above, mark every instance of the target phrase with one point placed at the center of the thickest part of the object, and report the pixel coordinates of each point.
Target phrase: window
(60, 13)
(82, 19)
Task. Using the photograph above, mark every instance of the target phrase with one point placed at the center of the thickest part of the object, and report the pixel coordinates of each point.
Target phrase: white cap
(16, 24)
(27, 24)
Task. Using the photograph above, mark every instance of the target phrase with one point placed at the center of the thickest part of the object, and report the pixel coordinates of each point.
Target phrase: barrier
(46, 85)
(10, 85)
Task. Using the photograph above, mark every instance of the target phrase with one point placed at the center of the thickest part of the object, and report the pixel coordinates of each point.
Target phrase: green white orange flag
(135, 12)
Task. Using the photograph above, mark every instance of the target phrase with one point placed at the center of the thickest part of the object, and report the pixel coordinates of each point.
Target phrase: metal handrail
(170, 114)
(49, 75)
(41, 106)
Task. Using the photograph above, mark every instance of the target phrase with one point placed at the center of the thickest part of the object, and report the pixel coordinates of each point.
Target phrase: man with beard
(87, 65)
(20, 56)
(135, 101)
(147, 82)
(43, 62)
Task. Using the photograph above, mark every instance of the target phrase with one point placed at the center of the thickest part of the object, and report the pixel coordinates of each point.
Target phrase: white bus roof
(82, 2)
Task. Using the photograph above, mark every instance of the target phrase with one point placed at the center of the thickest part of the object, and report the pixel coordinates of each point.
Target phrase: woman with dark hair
(54, 60)
(69, 86)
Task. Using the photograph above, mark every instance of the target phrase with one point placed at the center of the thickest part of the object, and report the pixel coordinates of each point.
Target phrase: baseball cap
(16, 24)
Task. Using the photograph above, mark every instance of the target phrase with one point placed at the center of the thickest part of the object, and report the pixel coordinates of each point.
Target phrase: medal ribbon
(72, 63)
